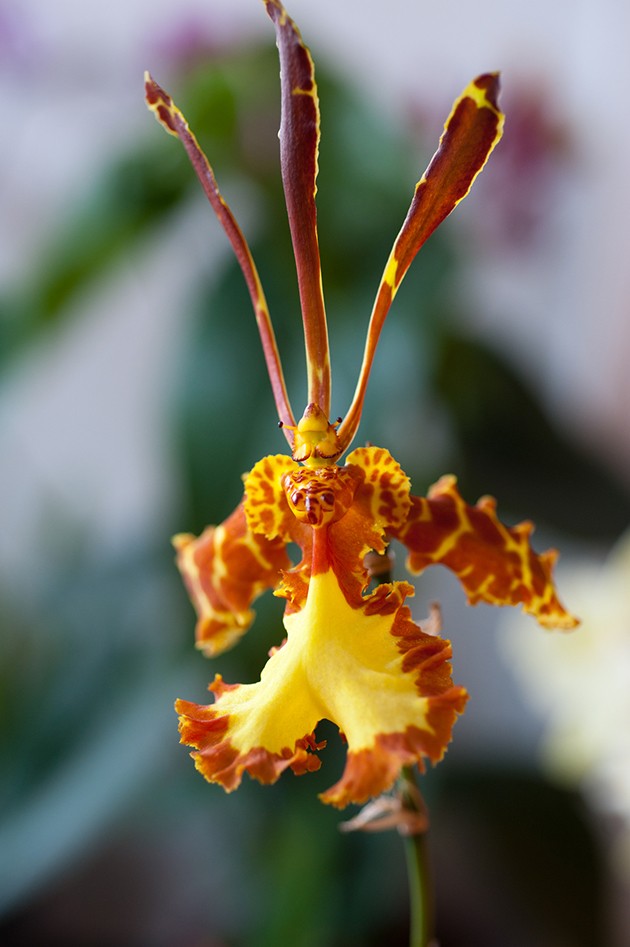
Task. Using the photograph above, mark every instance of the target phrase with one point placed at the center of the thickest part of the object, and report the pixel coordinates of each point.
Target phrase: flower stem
(418, 869)
(413, 828)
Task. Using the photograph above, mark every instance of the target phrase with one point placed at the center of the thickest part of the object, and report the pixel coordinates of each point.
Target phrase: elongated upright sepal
(472, 130)
(170, 118)
(299, 144)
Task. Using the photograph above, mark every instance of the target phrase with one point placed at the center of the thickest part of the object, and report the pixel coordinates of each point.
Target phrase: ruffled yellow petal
(370, 670)
(495, 563)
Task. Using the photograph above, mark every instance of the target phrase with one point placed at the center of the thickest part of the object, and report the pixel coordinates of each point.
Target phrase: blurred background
(133, 395)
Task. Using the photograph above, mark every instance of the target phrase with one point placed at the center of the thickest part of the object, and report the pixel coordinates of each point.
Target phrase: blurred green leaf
(87, 670)
(508, 445)
(518, 857)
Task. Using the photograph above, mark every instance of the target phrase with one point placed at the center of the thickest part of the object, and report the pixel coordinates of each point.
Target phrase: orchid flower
(351, 655)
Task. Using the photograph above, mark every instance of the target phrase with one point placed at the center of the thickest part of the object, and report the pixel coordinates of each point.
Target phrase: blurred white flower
(580, 685)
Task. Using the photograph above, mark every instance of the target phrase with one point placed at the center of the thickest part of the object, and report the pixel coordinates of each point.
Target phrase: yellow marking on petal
(478, 91)
(220, 568)
(355, 666)
(275, 712)
(257, 552)
(338, 663)
(389, 275)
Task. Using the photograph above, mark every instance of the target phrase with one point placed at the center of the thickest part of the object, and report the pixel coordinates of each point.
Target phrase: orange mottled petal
(224, 570)
(495, 563)
(385, 487)
(266, 507)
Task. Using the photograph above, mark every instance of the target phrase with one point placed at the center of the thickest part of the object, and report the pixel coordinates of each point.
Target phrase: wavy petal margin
(385, 489)
(494, 563)
(224, 570)
(370, 670)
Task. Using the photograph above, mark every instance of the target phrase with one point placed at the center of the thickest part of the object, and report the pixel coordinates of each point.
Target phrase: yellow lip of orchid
(351, 656)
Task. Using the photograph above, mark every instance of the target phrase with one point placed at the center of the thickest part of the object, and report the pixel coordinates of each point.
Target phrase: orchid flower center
(315, 439)
(319, 497)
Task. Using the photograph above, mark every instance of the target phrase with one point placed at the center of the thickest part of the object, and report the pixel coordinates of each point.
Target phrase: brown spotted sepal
(494, 563)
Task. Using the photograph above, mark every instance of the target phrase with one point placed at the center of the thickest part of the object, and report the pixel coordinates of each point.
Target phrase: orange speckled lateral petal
(495, 563)
(224, 570)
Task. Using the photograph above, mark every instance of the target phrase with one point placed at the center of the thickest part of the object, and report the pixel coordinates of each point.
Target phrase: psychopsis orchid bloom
(352, 656)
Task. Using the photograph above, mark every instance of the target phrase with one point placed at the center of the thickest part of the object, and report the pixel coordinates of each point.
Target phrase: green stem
(418, 871)
(418, 868)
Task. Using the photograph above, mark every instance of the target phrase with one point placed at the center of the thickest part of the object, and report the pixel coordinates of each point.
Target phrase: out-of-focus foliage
(94, 655)
(508, 445)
